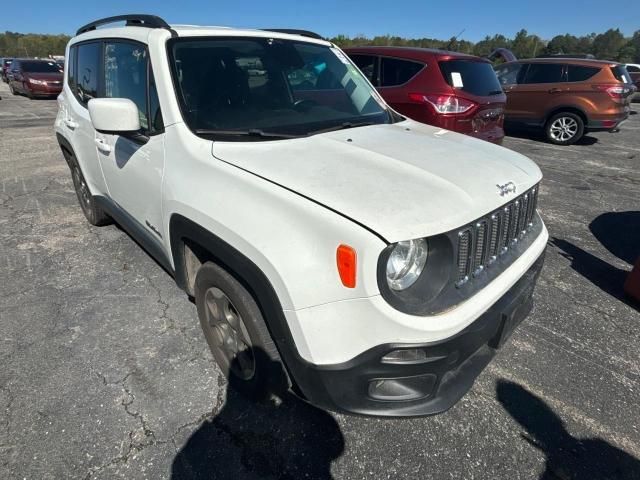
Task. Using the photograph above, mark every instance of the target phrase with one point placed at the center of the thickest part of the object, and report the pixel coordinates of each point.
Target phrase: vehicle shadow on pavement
(532, 134)
(567, 457)
(602, 274)
(619, 232)
(281, 437)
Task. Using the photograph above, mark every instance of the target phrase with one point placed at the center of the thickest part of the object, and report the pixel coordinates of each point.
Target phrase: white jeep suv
(373, 263)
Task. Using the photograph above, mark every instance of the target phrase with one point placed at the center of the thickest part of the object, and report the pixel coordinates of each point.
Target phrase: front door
(133, 165)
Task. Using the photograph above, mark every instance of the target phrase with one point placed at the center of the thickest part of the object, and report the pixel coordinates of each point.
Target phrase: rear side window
(476, 78)
(621, 74)
(544, 73)
(368, 64)
(71, 68)
(579, 73)
(88, 69)
(633, 69)
(396, 72)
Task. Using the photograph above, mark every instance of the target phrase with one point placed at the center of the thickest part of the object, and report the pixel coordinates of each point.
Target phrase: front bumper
(367, 385)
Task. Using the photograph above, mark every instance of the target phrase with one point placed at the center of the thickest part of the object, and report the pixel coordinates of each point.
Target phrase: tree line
(610, 45)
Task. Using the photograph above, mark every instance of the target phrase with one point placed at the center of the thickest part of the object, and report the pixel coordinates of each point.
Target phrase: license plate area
(511, 317)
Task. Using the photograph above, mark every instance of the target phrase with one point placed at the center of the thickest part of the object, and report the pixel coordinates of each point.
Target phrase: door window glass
(368, 64)
(398, 72)
(508, 73)
(125, 75)
(71, 69)
(544, 73)
(87, 71)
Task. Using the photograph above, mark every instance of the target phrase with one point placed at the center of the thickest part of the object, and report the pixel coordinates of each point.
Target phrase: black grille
(480, 244)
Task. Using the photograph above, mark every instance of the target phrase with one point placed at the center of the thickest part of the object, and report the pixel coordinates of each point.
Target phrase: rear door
(82, 86)
(539, 86)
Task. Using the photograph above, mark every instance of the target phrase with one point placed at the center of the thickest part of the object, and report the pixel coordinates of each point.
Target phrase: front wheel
(12, 90)
(237, 335)
(564, 128)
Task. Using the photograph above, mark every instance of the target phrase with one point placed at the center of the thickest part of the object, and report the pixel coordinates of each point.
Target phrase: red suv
(445, 89)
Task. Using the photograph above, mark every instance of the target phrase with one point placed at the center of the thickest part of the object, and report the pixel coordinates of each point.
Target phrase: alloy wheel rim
(563, 129)
(226, 328)
(82, 187)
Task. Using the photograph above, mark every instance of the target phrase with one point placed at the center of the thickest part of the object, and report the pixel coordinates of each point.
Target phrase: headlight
(37, 82)
(406, 263)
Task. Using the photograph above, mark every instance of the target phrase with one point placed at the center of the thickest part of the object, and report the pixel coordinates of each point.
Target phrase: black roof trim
(132, 20)
(293, 31)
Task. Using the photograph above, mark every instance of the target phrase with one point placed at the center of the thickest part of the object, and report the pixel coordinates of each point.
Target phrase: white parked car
(374, 263)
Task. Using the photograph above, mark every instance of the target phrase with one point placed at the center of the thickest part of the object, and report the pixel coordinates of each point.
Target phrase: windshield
(40, 67)
(476, 78)
(240, 87)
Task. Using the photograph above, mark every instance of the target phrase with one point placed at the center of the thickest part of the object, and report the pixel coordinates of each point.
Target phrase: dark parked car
(566, 97)
(35, 78)
(634, 71)
(5, 65)
(445, 89)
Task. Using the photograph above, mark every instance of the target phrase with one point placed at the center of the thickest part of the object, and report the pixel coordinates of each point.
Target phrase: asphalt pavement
(104, 372)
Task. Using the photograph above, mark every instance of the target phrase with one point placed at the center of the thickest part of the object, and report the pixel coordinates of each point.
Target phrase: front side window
(125, 75)
(261, 87)
(544, 73)
(394, 71)
(88, 69)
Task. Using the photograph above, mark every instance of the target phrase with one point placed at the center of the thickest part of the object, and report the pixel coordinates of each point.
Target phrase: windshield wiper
(252, 132)
(342, 126)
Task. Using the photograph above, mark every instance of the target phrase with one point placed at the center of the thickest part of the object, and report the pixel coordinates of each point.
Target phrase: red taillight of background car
(617, 92)
(444, 104)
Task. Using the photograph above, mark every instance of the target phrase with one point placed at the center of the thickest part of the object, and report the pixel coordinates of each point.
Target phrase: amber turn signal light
(347, 263)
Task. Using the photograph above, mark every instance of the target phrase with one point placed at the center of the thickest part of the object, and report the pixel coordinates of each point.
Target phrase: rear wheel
(237, 335)
(92, 211)
(564, 128)
(12, 90)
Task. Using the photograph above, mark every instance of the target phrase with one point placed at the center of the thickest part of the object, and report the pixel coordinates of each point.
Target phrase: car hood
(49, 77)
(403, 181)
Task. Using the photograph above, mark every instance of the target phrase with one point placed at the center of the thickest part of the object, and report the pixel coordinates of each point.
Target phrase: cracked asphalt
(105, 373)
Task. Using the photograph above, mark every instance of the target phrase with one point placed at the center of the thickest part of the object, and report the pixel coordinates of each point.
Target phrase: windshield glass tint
(40, 67)
(476, 78)
(275, 86)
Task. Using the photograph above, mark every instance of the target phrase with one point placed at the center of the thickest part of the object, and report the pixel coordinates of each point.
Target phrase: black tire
(564, 128)
(12, 90)
(258, 349)
(94, 214)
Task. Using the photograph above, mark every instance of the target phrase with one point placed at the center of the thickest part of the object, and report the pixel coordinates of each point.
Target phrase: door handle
(70, 123)
(555, 90)
(102, 145)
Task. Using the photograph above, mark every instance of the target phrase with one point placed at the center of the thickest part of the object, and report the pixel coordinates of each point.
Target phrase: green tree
(607, 45)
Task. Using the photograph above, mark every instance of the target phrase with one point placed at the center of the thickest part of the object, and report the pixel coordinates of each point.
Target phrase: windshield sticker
(340, 56)
(456, 79)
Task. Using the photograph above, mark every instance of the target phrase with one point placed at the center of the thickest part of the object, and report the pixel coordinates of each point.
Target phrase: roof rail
(293, 31)
(133, 20)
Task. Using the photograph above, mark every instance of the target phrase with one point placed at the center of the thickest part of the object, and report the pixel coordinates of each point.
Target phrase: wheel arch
(65, 146)
(567, 108)
(192, 245)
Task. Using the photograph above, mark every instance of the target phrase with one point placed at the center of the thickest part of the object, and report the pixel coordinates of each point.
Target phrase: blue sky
(410, 18)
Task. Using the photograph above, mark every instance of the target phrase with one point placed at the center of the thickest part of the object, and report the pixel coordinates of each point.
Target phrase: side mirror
(117, 116)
